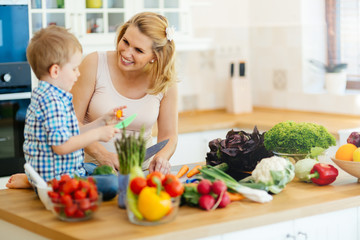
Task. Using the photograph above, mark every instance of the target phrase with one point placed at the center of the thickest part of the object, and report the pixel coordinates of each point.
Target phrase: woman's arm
(82, 93)
(167, 129)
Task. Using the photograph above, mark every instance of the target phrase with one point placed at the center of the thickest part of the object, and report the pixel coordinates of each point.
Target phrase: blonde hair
(153, 25)
(49, 46)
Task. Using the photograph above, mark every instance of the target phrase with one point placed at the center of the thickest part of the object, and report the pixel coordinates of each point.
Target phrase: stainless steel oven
(15, 84)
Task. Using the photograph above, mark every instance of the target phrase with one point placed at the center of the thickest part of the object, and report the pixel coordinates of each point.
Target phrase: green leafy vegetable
(104, 170)
(291, 137)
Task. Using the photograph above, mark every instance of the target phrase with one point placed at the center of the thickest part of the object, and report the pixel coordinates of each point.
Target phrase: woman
(139, 74)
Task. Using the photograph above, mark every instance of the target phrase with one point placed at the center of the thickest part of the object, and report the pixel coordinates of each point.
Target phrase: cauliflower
(274, 172)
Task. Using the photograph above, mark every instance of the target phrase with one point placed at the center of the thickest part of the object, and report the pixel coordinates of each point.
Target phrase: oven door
(12, 120)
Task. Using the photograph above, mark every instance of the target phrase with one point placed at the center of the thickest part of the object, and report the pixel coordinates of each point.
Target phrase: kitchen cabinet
(192, 147)
(94, 22)
(336, 225)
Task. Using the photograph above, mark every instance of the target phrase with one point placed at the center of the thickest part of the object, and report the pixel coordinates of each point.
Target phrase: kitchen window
(343, 31)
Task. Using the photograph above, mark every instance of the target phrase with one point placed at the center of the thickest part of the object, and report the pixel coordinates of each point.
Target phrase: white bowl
(352, 168)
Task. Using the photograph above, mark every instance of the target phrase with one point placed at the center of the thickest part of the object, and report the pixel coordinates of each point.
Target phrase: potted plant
(335, 76)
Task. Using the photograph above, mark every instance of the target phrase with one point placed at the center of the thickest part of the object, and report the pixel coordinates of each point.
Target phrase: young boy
(53, 144)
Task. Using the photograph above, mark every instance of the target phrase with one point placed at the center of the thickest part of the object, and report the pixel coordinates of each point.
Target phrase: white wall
(276, 38)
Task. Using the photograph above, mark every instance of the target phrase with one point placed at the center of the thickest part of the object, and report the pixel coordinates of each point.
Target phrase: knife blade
(126, 122)
(151, 151)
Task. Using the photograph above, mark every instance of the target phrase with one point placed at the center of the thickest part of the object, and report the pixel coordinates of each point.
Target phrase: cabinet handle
(289, 236)
(301, 236)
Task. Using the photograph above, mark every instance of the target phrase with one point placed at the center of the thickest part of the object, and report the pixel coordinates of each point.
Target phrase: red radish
(224, 201)
(204, 187)
(218, 187)
(206, 202)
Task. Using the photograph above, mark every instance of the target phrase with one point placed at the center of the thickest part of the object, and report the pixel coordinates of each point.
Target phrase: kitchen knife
(126, 122)
(151, 151)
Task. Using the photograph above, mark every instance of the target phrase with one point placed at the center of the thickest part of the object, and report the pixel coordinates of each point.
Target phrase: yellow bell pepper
(153, 206)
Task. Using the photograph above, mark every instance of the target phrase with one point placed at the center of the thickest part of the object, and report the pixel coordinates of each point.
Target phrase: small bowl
(175, 202)
(108, 185)
(84, 209)
(352, 168)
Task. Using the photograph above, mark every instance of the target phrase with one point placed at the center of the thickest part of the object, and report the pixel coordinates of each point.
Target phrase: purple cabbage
(242, 151)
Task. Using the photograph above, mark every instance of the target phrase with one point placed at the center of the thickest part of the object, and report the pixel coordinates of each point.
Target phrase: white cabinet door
(277, 231)
(192, 147)
(339, 225)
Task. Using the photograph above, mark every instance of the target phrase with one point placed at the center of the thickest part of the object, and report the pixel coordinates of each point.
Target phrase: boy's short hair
(49, 46)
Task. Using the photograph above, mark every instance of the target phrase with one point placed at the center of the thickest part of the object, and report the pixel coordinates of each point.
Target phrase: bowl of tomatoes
(74, 199)
(153, 199)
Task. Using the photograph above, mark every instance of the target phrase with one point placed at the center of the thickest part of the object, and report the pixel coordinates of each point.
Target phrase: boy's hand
(113, 116)
(106, 133)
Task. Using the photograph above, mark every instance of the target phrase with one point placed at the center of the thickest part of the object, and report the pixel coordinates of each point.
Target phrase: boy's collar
(59, 90)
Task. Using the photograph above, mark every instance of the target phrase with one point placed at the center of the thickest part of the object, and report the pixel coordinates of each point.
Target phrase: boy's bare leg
(18, 180)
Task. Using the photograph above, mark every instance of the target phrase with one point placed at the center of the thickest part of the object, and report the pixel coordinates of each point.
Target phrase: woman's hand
(160, 164)
(108, 158)
(112, 117)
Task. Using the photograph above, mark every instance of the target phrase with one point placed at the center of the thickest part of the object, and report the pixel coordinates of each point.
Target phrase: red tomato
(168, 179)
(174, 188)
(137, 184)
(79, 194)
(71, 186)
(150, 176)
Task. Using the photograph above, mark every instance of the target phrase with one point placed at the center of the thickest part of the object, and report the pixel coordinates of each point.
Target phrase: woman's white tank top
(106, 97)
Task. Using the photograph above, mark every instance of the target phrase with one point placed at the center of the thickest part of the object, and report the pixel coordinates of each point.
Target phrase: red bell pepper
(323, 174)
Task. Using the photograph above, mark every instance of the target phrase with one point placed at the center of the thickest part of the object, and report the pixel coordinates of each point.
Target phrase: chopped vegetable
(323, 174)
(194, 171)
(182, 171)
(303, 168)
(242, 151)
(119, 113)
(256, 195)
(291, 137)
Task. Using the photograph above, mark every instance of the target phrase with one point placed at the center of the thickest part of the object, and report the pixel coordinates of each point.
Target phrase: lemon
(356, 155)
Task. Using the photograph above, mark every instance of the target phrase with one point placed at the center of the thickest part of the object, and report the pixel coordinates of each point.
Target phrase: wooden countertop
(24, 209)
(264, 118)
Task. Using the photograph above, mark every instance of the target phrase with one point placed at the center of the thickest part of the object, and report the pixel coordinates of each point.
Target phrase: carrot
(235, 196)
(119, 113)
(194, 171)
(182, 171)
